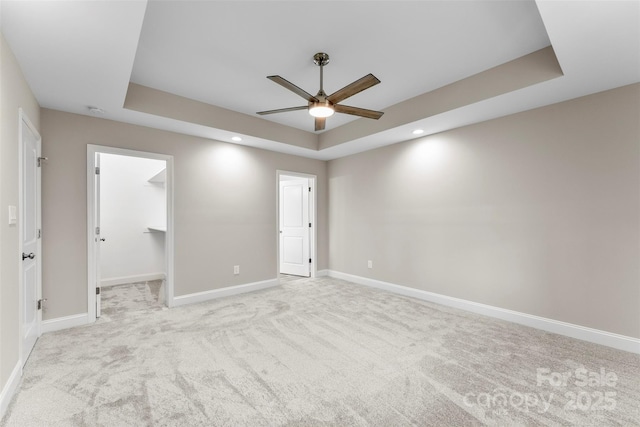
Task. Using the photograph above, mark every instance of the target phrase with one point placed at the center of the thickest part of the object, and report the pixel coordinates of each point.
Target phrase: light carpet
(122, 300)
(319, 352)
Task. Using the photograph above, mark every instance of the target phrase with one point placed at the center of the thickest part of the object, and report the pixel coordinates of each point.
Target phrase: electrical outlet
(370, 264)
(236, 269)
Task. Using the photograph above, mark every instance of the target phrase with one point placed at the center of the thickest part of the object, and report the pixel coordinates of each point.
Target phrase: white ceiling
(76, 54)
(221, 52)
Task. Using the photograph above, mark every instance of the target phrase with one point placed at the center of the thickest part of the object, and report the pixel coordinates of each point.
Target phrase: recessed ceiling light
(95, 110)
(236, 138)
(417, 131)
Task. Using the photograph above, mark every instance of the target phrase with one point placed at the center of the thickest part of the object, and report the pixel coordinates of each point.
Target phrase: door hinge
(40, 160)
(309, 260)
(41, 303)
(39, 233)
(97, 231)
(97, 170)
(309, 189)
(309, 225)
(98, 290)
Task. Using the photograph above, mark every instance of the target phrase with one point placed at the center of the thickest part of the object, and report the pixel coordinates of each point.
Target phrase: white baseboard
(596, 336)
(82, 319)
(9, 388)
(65, 322)
(113, 281)
(223, 292)
(322, 273)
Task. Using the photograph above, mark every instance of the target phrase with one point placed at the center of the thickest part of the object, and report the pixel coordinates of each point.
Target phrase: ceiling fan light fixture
(321, 109)
(322, 105)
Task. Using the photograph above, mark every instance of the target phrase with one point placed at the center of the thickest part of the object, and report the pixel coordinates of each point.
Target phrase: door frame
(313, 218)
(92, 262)
(23, 119)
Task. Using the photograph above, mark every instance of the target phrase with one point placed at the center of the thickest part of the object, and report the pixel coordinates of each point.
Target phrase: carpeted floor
(122, 300)
(317, 352)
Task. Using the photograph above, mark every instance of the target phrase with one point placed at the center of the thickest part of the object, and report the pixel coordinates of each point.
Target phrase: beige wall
(225, 207)
(536, 212)
(14, 94)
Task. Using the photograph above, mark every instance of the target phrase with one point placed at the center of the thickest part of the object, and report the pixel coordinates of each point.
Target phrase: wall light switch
(13, 215)
(236, 269)
(369, 264)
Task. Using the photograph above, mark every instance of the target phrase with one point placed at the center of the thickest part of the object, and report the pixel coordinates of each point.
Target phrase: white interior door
(97, 237)
(30, 235)
(294, 227)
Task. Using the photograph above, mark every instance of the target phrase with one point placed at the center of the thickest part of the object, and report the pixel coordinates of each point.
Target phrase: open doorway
(130, 233)
(296, 225)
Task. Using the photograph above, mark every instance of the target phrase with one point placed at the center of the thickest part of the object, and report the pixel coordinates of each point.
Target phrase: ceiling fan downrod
(321, 59)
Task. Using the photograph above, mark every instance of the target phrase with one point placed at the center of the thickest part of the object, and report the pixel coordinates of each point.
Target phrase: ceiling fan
(322, 106)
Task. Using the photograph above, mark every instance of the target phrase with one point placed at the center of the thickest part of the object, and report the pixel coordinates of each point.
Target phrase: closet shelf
(160, 177)
(159, 228)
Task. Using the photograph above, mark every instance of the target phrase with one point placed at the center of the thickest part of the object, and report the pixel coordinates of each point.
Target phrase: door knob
(102, 240)
(30, 256)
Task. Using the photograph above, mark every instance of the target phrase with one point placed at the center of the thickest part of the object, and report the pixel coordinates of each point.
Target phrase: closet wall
(132, 215)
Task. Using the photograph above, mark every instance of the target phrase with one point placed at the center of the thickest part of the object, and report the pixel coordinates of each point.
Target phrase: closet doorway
(130, 231)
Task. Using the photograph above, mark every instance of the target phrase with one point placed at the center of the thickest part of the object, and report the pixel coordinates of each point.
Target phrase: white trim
(113, 281)
(322, 273)
(9, 388)
(596, 336)
(223, 292)
(313, 218)
(169, 236)
(65, 322)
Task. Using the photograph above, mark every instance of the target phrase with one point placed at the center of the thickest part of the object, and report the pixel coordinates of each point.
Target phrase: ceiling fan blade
(351, 89)
(293, 88)
(355, 111)
(282, 110)
(320, 121)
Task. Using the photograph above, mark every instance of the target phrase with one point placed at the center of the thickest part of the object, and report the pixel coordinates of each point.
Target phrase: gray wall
(225, 207)
(536, 212)
(15, 94)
